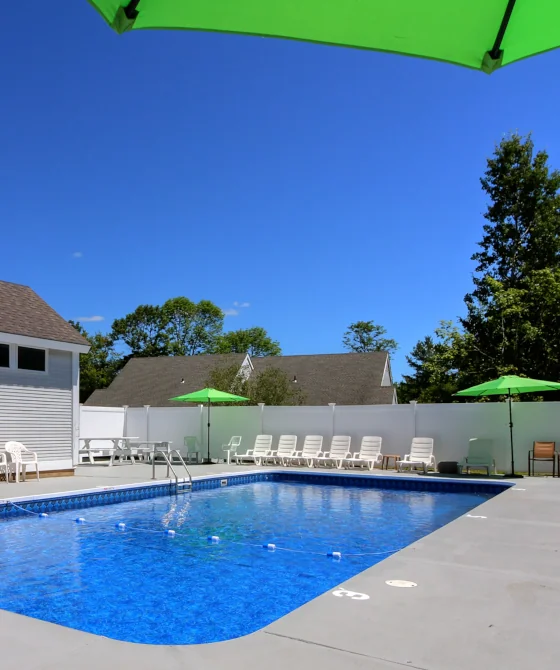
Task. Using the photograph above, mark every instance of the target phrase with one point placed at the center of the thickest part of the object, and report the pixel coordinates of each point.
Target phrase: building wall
(36, 409)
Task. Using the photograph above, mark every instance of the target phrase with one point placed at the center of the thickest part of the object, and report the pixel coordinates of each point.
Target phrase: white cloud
(85, 319)
(234, 311)
(77, 254)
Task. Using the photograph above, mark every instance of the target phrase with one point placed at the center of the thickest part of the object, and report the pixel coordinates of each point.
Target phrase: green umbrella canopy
(209, 395)
(480, 34)
(510, 384)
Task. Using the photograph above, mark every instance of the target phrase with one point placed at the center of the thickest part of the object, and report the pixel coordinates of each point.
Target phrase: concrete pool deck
(488, 596)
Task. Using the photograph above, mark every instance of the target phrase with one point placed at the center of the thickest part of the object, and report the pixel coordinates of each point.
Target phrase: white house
(39, 378)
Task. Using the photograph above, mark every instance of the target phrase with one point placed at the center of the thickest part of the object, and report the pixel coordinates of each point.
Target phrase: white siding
(40, 418)
(36, 409)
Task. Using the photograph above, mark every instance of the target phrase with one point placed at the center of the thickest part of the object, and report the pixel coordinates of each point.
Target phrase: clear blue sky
(320, 185)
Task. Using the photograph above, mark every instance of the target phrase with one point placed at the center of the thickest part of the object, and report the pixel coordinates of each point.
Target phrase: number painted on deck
(350, 594)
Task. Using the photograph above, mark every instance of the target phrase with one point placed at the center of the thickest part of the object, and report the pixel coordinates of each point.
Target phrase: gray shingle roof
(23, 312)
(152, 381)
(347, 379)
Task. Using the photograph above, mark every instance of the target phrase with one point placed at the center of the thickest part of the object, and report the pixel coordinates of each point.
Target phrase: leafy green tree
(274, 387)
(143, 332)
(512, 311)
(436, 363)
(254, 341)
(271, 386)
(364, 336)
(99, 366)
(192, 328)
(512, 324)
(230, 379)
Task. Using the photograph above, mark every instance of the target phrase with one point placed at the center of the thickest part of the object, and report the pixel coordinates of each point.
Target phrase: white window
(29, 359)
(4, 355)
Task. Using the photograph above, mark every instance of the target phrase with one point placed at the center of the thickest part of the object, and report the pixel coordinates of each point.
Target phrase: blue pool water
(139, 585)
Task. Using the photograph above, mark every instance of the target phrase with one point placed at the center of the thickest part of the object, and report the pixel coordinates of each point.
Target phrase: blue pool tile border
(118, 494)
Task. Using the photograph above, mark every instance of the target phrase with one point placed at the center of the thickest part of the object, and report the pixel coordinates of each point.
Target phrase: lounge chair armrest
(297, 453)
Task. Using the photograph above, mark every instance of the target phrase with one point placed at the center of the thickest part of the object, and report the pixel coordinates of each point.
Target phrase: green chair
(480, 457)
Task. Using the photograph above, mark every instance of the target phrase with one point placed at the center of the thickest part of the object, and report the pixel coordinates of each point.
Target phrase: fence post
(125, 421)
(261, 405)
(147, 408)
(332, 405)
(201, 410)
(413, 403)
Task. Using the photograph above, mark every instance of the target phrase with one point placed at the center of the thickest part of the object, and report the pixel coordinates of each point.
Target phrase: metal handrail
(166, 458)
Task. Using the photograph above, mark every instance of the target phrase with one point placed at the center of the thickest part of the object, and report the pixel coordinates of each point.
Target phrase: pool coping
(467, 573)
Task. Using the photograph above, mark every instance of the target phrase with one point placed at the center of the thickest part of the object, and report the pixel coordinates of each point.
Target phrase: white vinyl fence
(451, 425)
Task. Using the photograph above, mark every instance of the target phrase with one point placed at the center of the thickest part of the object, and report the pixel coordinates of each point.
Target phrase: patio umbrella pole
(208, 436)
(512, 473)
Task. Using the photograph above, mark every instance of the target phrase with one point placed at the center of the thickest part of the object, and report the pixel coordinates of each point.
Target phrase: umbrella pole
(208, 435)
(512, 473)
(511, 434)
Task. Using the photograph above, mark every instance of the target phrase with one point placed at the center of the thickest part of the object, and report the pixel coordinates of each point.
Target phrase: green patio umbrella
(510, 385)
(209, 396)
(480, 34)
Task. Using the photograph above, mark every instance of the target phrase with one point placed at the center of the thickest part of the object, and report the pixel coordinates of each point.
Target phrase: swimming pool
(143, 585)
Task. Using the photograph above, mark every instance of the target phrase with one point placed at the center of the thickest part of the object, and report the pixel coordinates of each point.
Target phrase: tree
(230, 379)
(254, 341)
(271, 385)
(364, 336)
(512, 325)
(274, 387)
(99, 366)
(512, 311)
(179, 327)
(435, 362)
(143, 331)
(192, 328)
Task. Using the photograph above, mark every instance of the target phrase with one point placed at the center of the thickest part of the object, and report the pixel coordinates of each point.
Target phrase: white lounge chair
(231, 447)
(21, 457)
(480, 457)
(339, 452)
(257, 455)
(369, 455)
(312, 446)
(421, 455)
(287, 447)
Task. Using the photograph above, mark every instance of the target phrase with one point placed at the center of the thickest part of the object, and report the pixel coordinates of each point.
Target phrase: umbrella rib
(496, 51)
(130, 10)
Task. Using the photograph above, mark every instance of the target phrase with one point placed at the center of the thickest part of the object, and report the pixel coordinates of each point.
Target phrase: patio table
(116, 450)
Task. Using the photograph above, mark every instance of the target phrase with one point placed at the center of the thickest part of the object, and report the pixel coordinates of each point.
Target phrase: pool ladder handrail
(167, 458)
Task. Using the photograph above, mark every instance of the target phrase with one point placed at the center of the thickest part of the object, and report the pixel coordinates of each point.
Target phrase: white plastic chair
(312, 446)
(21, 458)
(338, 453)
(231, 447)
(4, 467)
(261, 450)
(369, 455)
(421, 455)
(287, 447)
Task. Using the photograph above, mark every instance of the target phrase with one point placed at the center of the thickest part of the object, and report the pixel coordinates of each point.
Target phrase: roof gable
(345, 379)
(23, 312)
